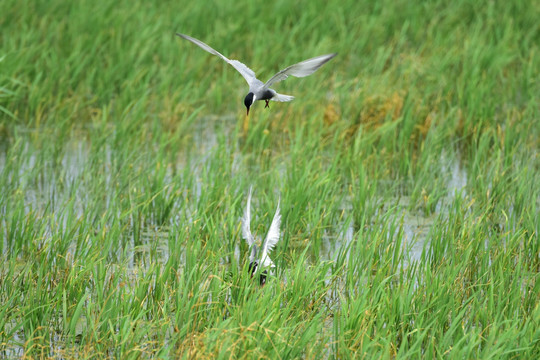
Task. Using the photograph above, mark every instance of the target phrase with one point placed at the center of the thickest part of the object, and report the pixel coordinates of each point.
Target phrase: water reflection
(49, 186)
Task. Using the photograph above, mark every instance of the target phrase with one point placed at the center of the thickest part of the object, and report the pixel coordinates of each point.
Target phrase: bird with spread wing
(259, 256)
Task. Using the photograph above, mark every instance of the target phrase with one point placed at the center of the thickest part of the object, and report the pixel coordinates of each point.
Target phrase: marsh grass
(407, 169)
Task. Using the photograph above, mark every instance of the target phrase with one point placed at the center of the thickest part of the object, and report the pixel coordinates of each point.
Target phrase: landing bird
(259, 90)
(259, 253)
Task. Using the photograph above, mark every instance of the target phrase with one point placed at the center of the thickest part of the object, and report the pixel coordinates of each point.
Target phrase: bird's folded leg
(266, 106)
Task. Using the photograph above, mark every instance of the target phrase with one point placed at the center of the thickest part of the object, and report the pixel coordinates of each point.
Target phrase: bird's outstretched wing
(302, 69)
(272, 238)
(246, 220)
(246, 72)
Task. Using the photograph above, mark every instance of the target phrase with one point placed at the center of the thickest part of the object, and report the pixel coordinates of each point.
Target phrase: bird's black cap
(248, 101)
(253, 268)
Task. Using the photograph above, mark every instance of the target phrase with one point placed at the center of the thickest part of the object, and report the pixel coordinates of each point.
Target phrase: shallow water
(58, 184)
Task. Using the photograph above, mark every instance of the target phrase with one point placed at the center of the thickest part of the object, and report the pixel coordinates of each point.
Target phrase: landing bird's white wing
(302, 69)
(246, 220)
(272, 238)
(246, 72)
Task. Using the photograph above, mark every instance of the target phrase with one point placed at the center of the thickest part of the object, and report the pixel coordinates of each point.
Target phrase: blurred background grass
(70, 60)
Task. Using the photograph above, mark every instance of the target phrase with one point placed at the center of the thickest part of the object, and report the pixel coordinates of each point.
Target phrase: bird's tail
(282, 98)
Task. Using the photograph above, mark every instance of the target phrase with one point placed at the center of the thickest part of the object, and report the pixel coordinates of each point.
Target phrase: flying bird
(259, 258)
(262, 91)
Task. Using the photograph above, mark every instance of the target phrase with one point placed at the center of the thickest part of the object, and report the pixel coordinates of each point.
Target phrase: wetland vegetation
(408, 169)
